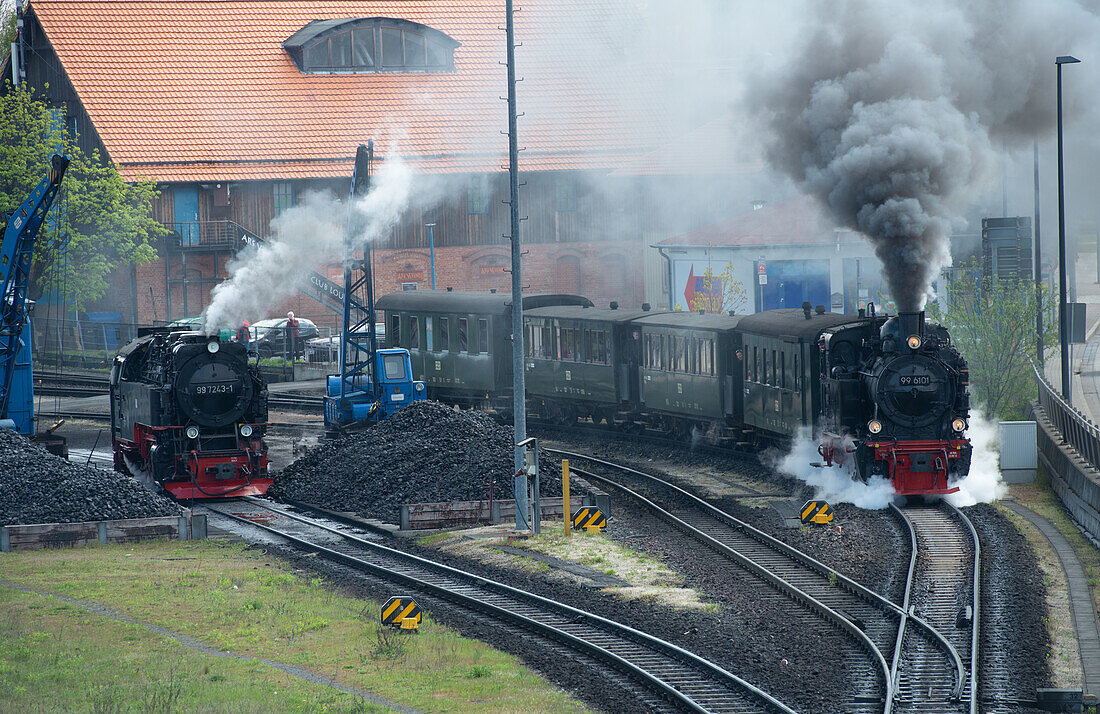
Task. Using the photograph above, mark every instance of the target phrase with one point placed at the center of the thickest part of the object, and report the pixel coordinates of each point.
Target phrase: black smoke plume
(889, 112)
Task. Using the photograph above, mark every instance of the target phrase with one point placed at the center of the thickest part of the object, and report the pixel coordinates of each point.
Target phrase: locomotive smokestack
(911, 323)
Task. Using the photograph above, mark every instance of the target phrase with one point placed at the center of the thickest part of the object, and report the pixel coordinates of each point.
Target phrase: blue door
(186, 200)
(793, 282)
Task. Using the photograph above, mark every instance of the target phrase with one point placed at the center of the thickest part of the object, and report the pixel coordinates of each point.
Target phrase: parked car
(194, 324)
(269, 338)
(327, 349)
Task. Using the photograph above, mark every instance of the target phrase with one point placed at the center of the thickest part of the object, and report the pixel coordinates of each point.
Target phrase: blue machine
(373, 383)
(16, 378)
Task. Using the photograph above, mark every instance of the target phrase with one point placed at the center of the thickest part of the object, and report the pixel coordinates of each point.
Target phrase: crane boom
(16, 402)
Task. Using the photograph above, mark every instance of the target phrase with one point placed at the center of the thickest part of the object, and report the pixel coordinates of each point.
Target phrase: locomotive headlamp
(958, 424)
(913, 342)
(212, 346)
(246, 430)
(192, 432)
(874, 426)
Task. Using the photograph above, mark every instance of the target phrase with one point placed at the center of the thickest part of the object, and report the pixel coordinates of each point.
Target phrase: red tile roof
(185, 90)
(795, 221)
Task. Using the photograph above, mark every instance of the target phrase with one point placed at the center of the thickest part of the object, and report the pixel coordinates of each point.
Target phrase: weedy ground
(56, 656)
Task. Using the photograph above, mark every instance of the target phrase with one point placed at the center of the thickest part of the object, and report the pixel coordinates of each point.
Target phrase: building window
(565, 194)
(477, 195)
(284, 195)
(371, 45)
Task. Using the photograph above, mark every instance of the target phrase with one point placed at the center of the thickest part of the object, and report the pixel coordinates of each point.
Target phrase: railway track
(673, 678)
(925, 671)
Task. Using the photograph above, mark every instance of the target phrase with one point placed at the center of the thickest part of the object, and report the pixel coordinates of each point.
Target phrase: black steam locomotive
(188, 412)
(886, 396)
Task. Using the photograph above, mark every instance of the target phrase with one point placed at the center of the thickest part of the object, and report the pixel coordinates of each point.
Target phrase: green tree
(992, 323)
(7, 25)
(98, 221)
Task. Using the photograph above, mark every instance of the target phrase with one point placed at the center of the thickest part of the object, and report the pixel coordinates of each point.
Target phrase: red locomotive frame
(206, 474)
(913, 467)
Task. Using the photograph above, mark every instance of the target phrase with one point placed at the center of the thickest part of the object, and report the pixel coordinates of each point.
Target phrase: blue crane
(373, 383)
(16, 377)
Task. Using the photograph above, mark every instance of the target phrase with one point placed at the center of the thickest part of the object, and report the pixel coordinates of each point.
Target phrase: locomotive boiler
(188, 412)
(895, 403)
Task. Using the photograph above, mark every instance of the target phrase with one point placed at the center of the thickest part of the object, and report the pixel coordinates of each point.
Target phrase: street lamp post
(431, 249)
(1063, 316)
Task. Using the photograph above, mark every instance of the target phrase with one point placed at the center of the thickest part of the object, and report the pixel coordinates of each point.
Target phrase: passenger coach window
(783, 370)
(764, 365)
(547, 336)
(483, 336)
(463, 340)
(395, 330)
(414, 333)
(444, 333)
(429, 343)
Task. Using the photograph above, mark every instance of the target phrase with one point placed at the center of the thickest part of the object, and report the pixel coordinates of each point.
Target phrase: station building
(239, 108)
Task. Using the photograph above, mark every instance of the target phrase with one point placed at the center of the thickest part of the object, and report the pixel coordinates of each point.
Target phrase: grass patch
(56, 657)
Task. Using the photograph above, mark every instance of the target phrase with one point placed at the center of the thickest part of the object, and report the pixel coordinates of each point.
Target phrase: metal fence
(1075, 428)
(67, 345)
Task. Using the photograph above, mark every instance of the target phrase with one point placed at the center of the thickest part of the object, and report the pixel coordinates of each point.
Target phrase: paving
(1084, 612)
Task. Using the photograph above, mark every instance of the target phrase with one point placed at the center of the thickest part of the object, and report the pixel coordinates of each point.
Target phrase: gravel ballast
(425, 453)
(39, 487)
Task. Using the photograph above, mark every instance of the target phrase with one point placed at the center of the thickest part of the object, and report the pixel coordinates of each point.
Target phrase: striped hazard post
(401, 612)
(817, 512)
(589, 518)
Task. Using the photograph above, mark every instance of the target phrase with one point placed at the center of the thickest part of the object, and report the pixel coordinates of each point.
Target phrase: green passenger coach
(581, 362)
(781, 368)
(460, 342)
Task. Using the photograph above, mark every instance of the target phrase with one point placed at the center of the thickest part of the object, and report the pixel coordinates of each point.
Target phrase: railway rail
(675, 679)
(925, 670)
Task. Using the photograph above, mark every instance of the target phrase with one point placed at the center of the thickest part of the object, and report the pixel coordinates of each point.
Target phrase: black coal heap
(39, 487)
(425, 453)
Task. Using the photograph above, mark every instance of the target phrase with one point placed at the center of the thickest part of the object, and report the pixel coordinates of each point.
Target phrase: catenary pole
(519, 406)
(1063, 314)
(1038, 270)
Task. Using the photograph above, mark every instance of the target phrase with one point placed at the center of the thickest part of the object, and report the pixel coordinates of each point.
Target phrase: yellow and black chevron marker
(589, 518)
(401, 612)
(817, 512)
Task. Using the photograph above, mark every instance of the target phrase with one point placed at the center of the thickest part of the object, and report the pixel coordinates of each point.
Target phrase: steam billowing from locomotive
(889, 114)
(305, 237)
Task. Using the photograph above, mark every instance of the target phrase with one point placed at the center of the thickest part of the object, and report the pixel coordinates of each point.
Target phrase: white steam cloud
(837, 485)
(983, 484)
(304, 238)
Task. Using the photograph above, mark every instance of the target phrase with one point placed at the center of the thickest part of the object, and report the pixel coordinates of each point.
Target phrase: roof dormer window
(376, 44)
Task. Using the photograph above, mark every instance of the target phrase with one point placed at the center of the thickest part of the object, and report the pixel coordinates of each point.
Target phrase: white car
(268, 338)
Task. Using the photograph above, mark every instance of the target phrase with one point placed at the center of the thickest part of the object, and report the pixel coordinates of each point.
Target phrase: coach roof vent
(353, 45)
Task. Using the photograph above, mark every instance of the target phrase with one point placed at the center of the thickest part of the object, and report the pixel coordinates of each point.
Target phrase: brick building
(238, 108)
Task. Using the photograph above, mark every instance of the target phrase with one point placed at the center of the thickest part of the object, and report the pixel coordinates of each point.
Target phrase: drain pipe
(668, 260)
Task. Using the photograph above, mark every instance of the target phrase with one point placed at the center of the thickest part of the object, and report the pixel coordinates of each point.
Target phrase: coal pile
(38, 487)
(425, 453)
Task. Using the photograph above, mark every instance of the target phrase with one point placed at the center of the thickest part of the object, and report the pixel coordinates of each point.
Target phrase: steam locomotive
(888, 396)
(188, 413)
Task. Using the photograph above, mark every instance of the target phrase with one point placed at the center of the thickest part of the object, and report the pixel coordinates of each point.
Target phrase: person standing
(242, 332)
(292, 334)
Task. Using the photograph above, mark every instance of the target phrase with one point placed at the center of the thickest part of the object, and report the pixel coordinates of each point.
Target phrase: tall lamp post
(1063, 316)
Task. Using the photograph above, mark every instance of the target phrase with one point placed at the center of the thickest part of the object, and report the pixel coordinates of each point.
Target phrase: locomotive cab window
(393, 366)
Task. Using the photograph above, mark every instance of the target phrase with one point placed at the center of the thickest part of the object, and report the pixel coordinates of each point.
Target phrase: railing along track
(678, 677)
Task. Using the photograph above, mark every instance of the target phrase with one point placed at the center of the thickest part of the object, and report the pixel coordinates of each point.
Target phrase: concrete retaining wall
(1076, 483)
